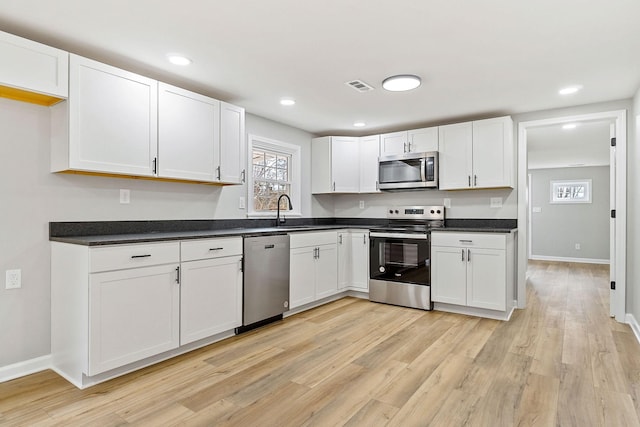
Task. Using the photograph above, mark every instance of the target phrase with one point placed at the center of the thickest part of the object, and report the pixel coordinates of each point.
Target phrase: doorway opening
(616, 123)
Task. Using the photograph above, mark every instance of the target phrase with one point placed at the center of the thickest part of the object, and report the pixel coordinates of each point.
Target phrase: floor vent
(359, 85)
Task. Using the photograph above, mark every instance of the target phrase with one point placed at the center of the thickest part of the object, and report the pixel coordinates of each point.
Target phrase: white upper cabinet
(477, 154)
(188, 134)
(369, 153)
(232, 142)
(409, 141)
(113, 120)
(344, 164)
(32, 67)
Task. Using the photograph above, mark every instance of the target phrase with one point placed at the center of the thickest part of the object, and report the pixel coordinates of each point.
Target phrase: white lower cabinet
(473, 270)
(133, 314)
(353, 260)
(211, 288)
(313, 273)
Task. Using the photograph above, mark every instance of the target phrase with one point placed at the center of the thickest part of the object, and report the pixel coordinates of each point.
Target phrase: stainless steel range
(400, 256)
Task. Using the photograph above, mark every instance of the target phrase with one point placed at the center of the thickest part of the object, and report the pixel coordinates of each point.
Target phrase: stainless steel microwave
(408, 171)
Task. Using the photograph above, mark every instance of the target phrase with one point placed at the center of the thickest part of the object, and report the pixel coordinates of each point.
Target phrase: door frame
(619, 187)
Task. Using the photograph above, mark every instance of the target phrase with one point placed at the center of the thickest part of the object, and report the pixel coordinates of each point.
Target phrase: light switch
(125, 196)
(241, 203)
(361, 204)
(447, 203)
(13, 279)
(496, 202)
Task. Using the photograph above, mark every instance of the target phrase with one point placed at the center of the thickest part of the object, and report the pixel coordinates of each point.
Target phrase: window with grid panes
(271, 178)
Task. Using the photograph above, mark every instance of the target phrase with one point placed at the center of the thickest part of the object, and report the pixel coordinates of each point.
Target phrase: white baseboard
(635, 327)
(567, 259)
(25, 368)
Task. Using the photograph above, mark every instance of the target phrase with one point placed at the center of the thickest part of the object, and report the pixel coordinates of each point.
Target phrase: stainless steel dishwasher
(266, 280)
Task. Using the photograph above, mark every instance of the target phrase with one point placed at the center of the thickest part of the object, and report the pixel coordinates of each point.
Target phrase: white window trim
(296, 176)
(585, 182)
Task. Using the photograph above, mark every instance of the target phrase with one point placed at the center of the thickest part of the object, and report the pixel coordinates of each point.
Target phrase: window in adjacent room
(577, 191)
(275, 170)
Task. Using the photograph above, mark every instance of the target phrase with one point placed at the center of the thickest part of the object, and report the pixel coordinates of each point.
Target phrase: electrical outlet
(13, 279)
(361, 204)
(496, 202)
(577, 246)
(241, 203)
(537, 209)
(447, 203)
(125, 196)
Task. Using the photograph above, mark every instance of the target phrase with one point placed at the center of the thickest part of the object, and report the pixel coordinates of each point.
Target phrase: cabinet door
(486, 279)
(113, 117)
(423, 140)
(345, 166)
(232, 142)
(188, 134)
(210, 297)
(360, 261)
(449, 275)
(455, 156)
(344, 260)
(369, 153)
(493, 153)
(326, 271)
(133, 314)
(302, 277)
(393, 143)
(33, 67)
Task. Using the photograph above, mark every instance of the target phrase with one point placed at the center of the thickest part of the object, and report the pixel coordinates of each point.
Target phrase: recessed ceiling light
(401, 82)
(176, 59)
(569, 90)
(359, 124)
(569, 126)
(287, 102)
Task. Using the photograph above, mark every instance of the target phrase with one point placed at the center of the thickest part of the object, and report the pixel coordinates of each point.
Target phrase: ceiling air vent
(359, 85)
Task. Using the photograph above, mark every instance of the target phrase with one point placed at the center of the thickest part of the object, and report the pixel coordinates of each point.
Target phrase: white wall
(633, 211)
(32, 197)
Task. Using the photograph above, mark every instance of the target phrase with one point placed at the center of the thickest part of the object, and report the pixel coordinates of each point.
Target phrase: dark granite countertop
(99, 233)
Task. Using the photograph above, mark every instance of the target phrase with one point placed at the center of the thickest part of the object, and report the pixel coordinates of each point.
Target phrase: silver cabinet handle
(178, 274)
(465, 241)
(244, 175)
(469, 176)
(155, 165)
(404, 147)
(340, 238)
(140, 256)
(241, 262)
(216, 249)
(218, 173)
(462, 259)
(475, 180)
(334, 186)
(468, 255)
(364, 239)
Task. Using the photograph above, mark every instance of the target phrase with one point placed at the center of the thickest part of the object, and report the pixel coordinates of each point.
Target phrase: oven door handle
(400, 236)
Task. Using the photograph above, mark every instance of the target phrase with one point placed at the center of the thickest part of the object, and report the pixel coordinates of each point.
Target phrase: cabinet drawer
(131, 256)
(471, 240)
(210, 248)
(301, 240)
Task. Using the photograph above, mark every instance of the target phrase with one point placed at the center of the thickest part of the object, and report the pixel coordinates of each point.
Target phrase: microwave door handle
(423, 169)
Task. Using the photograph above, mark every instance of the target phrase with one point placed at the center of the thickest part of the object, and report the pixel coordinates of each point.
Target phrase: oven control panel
(416, 212)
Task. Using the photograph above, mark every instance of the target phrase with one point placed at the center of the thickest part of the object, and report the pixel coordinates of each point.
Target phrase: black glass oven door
(400, 260)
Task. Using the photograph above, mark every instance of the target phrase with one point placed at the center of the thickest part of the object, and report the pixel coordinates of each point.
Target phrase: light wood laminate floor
(562, 361)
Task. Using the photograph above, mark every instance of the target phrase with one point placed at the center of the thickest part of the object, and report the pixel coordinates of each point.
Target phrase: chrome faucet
(278, 221)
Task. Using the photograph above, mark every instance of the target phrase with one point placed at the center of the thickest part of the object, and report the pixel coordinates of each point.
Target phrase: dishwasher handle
(269, 246)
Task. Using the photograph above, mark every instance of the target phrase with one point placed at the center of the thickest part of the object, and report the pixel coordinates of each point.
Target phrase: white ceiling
(476, 58)
(553, 147)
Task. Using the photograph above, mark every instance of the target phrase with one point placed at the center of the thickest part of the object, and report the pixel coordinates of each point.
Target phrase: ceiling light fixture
(401, 82)
(287, 102)
(569, 90)
(569, 126)
(359, 124)
(176, 59)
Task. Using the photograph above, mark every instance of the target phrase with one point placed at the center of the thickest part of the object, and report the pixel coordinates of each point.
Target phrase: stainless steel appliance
(408, 171)
(400, 257)
(266, 280)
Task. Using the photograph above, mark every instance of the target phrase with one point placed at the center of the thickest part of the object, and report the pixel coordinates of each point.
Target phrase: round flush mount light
(569, 126)
(177, 59)
(401, 83)
(569, 90)
(359, 124)
(287, 102)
